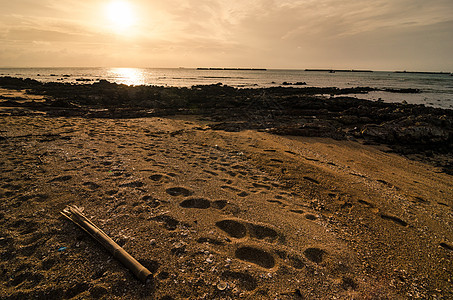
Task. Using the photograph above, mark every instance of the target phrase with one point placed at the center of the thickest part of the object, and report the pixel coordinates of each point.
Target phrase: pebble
(179, 245)
(222, 285)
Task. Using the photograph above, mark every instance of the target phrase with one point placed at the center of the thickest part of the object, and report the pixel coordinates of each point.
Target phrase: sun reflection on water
(129, 76)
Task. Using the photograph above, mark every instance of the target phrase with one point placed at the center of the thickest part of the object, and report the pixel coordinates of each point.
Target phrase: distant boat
(335, 70)
(427, 73)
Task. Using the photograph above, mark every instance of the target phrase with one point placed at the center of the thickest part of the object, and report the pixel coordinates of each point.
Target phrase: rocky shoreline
(418, 132)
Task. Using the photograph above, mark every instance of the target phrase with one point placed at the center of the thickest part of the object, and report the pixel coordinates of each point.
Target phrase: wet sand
(216, 214)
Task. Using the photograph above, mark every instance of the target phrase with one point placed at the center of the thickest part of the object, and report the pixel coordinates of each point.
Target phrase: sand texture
(215, 214)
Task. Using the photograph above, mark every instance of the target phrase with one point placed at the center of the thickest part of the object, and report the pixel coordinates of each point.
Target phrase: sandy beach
(215, 214)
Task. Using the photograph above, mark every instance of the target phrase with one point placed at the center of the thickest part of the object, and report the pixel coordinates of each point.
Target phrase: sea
(436, 89)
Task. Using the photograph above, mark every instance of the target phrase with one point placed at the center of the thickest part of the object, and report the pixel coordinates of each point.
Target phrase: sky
(413, 35)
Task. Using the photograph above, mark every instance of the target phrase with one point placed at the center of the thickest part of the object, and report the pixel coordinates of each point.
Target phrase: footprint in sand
(333, 195)
(27, 279)
(270, 150)
(311, 179)
(314, 254)
(264, 233)
(24, 226)
(446, 246)
(91, 185)
(291, 260)
(231, 173)
(366, 203)
(387, 184)
(291, 152)
(277, 160)
(202, 203)
(219, 204)
(310, 217)
(240, 193)
(256, 256)
(211, 173)
(111, 192)
(179, 191)
(29, 198)
(277, 202)
(169, 223)
(156, 177)
(444, 204)
(48, 263)
(238, 167)
(159, 178)
(394, 219)
(310, 159)
(133, 184)
(151, 201)
(196, 203)
(420, 200)
(61, 178)
(261, 186)
(227, 187)
(242, 279)
(232, 228)
(238, 229)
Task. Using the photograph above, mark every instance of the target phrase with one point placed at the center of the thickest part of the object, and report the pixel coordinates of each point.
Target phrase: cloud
(268, 33)
(331, 18)
(30, 34)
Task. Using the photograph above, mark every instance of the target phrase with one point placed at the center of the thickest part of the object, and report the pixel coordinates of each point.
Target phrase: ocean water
(436, 89)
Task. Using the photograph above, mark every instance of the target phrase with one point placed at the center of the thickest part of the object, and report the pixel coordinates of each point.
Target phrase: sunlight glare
(121, 15)
(129, 76)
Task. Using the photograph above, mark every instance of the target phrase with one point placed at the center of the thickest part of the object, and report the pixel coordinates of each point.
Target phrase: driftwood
(74, 214)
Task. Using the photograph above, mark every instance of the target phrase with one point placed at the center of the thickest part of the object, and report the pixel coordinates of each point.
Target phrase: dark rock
(317, 129)
(403, 133)
(403, 91)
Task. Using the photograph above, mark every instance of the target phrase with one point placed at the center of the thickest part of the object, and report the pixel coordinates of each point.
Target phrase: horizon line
(231, 69)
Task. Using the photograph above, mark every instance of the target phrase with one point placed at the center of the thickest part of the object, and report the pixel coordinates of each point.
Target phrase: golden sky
(378, 34)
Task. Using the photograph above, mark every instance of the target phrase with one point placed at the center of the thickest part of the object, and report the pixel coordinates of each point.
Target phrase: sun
(121, 16)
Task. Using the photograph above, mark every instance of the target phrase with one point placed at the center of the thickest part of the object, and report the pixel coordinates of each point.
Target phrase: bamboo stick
(74, 214)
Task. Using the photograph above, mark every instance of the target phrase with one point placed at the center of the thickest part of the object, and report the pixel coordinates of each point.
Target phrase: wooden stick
(74, 214)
